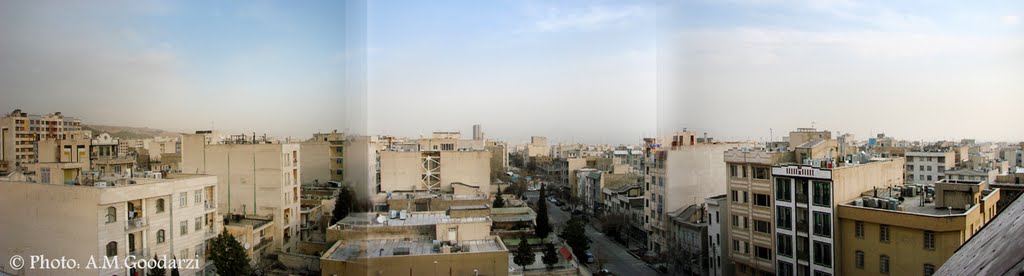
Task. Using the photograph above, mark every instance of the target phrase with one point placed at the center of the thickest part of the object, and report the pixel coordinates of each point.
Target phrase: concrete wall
(486, 263)
(315, 162)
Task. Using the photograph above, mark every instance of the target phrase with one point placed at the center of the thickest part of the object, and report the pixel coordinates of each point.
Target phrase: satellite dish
(380, 219)
(247, 246)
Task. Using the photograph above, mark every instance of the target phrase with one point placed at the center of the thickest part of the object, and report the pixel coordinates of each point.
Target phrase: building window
(783, 190)
(929, 240)
(199, 224)
(784, 217)
(736, 245)
(883, 233)
(735, 196)
(929, 270)
(111, 249)
(762, 200)
(822, 194)
(821, 273)
(822, 254)
(184, 228)
(883, 264)
(859, 259)
(183, 199)
(160, 205)
(745, 198)
(785, 269)
(822, 224)
(761, 173)
(858, 229)
(111, 214)
(763, 253)
(735, 221)
(198, 196)
(734, 171)
(160, 236)
(762, 226)
(784, 245)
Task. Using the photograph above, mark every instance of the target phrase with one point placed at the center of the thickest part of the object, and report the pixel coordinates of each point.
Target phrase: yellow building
(434, 170)
(125, 218)
(914, 237)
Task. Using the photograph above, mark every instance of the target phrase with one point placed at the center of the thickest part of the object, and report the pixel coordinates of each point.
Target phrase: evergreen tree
(228, 256)
(543, 225)
(157, 271)
(174, 270)
(550, 256)
(499, 202)
(342, 204)
(575, 235)
(524, 254)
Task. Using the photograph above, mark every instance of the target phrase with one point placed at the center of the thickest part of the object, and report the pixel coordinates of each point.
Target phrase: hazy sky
(584, 71)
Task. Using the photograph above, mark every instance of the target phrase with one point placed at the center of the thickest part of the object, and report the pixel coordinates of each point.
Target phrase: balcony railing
(139, 253)
(210, 205)
(264, 242)
(136, 223)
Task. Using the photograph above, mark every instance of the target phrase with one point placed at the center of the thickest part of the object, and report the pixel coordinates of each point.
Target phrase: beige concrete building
(106, 156)
(362, 164)
(915, 236)
(255, 233)
(749, 201)
(159, 146)
(323, 158)
(538, 147)
(499, 156)
(434, 170)
(111, 217)
(680, 175)
(19, 131)
(260, 179)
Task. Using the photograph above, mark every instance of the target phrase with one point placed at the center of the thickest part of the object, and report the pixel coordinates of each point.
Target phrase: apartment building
(914, 234)
(591, 185)
(499, 156)
(323, 158)
(806, 200)
(749, 203)
(106, 156)
(255, 177)
(538, 147)
(688, 241)
(160, 216)
(718, 236)
(362, 164)
(158, 147)
(19, 132)
(926, 167)
(680, 175)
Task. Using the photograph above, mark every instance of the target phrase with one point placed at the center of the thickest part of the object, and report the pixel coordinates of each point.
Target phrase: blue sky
(583, 71)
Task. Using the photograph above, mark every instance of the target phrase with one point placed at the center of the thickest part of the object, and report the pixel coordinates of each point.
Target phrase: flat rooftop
(413, 219)
(255, 223)
(389, 247)
(916, 204)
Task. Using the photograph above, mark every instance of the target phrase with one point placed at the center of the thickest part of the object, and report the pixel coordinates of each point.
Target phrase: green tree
(524, 254)
(550, 256)
(157, 271)
(543, 225)
(499, 202)
(343, 204)
(228, 256)
(575, 235)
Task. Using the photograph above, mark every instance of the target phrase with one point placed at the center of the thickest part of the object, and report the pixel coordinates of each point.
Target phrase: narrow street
(614, 257)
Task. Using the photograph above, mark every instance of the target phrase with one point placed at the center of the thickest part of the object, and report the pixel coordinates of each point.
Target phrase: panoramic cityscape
(788, 138)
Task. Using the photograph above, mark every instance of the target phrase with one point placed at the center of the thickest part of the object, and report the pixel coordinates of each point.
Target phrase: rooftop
(404, 247)
(919, 201)
(995, 250)
(412, 219)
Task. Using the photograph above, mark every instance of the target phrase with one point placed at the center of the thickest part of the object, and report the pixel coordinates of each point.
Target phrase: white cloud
(1011, 20)
(594, 17)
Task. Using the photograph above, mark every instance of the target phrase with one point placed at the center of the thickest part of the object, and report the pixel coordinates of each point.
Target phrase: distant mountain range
(128, 132)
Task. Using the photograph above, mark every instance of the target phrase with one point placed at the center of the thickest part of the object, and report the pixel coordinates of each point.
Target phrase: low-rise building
(911, 230)
(926, 167)
(688, 241)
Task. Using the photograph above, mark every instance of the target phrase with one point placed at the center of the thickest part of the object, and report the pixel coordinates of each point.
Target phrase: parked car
(589, 258)
(605, 272)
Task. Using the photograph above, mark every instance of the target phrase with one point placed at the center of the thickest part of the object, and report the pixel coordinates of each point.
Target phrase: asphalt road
(611, 255)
